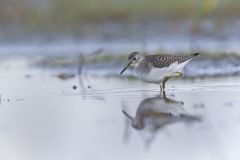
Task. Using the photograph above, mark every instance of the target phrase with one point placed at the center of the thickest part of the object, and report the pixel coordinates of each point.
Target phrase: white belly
(157, 74)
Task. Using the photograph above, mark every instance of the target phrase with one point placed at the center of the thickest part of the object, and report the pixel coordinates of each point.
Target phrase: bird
(158, 68)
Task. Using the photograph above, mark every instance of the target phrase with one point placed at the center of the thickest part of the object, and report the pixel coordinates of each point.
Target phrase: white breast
(157, 74)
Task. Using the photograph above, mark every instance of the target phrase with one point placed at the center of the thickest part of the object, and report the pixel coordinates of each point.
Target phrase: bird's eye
(134, 58)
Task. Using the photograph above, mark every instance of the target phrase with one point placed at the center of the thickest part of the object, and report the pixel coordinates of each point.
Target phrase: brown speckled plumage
(160, 61)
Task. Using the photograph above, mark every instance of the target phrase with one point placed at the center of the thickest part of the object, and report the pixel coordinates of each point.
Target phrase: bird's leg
(161, 88)
(164, 82)
(162, 85)
(164, 94)
(178, 74)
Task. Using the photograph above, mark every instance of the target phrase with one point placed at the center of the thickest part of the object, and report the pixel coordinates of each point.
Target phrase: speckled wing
(160, 61)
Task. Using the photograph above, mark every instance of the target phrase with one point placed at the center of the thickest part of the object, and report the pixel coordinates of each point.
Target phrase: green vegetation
(114, 60)
(72, 13)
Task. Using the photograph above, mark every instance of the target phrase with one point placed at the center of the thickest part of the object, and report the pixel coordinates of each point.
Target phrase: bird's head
(134, 122)
(133, 60)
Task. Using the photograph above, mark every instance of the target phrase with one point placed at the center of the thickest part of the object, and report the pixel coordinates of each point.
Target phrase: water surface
(43, 117)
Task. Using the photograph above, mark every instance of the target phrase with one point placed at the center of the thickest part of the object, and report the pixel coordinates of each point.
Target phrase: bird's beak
(127, 115)
(124, 69)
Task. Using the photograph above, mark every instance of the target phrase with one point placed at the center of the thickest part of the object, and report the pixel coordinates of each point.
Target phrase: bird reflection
(153, 114)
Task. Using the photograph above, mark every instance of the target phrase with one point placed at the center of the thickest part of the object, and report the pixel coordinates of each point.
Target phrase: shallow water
(42, 117)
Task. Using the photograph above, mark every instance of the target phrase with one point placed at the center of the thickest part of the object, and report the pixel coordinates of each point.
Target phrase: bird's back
(164, 60)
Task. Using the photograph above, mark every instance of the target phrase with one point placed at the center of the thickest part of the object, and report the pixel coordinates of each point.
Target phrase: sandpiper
(158, 68)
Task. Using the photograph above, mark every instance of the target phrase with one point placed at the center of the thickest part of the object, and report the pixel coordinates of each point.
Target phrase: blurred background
(62, 98)
(118, 27)
(206, 25)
